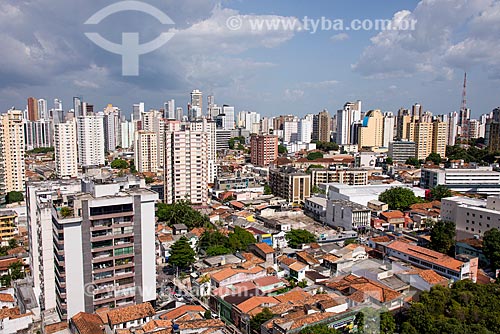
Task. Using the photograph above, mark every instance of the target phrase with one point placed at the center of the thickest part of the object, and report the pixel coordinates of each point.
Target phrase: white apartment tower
(153, 121)
(186, 166)
(346, 117)
(210, 128)
(389, 123)
(112, 130)
(65, 149)
(90, 131)
(100, 252)
(146, 152)
(12, 150)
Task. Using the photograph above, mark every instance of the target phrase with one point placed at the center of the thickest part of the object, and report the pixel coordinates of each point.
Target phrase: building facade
(146, 152)
(264, 149)
(65, 149)
(12, 151)
(90, 130)
(186, 166)
(290, 184)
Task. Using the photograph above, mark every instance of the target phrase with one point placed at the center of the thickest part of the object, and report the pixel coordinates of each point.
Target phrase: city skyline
(415, 66)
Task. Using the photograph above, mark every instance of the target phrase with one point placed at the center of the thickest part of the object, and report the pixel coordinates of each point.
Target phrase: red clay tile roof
(392, 214)
(264, 248)
(88, 323)
(57, 327)
(426, 254)
(129, 313)
(294, 295)
(200, 324)
(267, 280)
(253, 302)
(177, 312)
(6, 298)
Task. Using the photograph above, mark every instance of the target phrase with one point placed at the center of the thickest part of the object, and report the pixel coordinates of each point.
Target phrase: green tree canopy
(239, 239)
(491, 247)
(267, 190)
(181, 254)
(387, 323)
(389, 161)
(435, 158)
(16, 270)
(466, 308)
(260, 318)
(236, 140)
(40, 150)
(66, 212)
(218, 250)
(413, 162)
(119, 164)
(314, 155)
(399, 198)
(14, 197)
(443, 237)
(319, 329)
(149, 180)
(296, 238)
(212, 238)
(439, 192)
(181, 212)
(282, 149)
(326, 146)
(308, 170)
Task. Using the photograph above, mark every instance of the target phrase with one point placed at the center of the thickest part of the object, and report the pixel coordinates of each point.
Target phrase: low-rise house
(6, 300)
(198, 326)
(130, 316)
(86, 323)
(230, 276)
(265, 252)
(361, 290)
(395, 219)
(428, 259)
(12, 321)
(422, 279)
(181, 311)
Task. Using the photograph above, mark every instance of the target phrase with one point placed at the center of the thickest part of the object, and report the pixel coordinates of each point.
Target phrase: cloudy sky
(45, 53)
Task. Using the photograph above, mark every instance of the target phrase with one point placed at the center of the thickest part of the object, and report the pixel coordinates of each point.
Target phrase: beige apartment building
(146, 152)
(12, 149)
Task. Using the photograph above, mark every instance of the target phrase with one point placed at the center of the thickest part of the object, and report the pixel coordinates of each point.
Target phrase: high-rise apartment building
(228, 112)
(402, 121)
(99, 251)
(197, 99)
(492, 133)
(170, 109)
(90, 130)
(371, 133)
(291, 131)
(146, 152)
(186, 166)
(290, 184)
(38, 133)
(429, 137)
(12, 150)
(208, 127)
(346, 119)
(127, 137)
(389, 123)
(452, 121)
(65, 149)
(305, 129)
(137, 110)
(32, 109)
(264, 149)
(43, 112)
(153, 121)
(112, 132)
(321, 127)
(439, 137)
